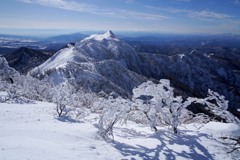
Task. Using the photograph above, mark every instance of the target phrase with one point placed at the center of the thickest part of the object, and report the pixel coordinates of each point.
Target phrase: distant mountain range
(135, 39)
(192, 41)
(9, 43)
(65, 38)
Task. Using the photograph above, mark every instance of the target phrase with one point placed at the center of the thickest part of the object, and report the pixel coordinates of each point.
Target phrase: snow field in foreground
(32, 131)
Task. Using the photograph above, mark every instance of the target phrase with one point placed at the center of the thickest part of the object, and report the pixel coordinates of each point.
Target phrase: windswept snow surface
(32, 131)
(59, 60)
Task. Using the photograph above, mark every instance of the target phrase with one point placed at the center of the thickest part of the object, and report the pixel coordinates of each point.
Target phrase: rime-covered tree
(217, 106)
(114, 110)
(69, 101)
(162, 106)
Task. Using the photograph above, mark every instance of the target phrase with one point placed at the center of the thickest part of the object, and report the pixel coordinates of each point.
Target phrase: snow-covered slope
(58, 60)
(99, 62)
(31, 131)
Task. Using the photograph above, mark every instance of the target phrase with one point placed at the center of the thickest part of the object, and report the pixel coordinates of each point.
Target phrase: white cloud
(63, 4)
(140, 15)
(83, 7)
(209, 15)
(201, 14)
(152, 7)
(26, 1)
(204, 15)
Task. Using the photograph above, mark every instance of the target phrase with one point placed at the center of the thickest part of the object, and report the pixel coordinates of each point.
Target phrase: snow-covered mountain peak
(95, 48)
(109, 35)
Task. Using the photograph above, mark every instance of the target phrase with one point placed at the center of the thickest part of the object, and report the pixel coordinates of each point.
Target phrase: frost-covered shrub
(114, 110)
(217, 105)
(70, 102)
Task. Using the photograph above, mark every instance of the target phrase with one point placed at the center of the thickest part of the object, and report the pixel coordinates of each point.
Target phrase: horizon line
(57, 32)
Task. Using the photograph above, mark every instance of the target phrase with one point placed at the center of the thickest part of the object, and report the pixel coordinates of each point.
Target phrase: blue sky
(164, 16)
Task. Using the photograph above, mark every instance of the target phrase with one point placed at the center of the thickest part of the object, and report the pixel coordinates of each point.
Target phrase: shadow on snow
(68, 119)
(165, 149)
